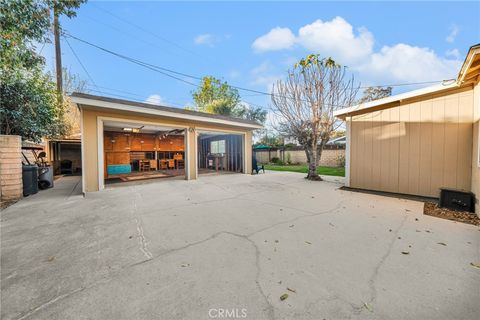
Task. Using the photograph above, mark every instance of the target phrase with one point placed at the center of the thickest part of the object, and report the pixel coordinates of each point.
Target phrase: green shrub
(274, 160)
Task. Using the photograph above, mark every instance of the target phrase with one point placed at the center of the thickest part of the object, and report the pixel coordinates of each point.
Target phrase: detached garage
(420, 141)
(128, 141)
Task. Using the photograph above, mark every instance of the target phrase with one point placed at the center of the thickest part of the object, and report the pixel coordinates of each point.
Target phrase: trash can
(45, 177)
(30, 180)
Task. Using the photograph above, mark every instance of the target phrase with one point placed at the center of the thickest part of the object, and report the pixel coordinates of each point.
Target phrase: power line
(131, 35)
(404, 84)
(139, 62)
(159, 69)
(166, 72)
(172, 43)
(259, 93)
(143, 97)
(80, 62)
(116, 95)
(162, 70)
(130, 93)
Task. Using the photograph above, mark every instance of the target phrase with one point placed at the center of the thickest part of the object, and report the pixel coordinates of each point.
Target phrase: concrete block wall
(330, 157)
(11, 186)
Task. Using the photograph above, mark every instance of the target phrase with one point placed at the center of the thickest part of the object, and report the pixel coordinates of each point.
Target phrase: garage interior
(220, 153)
(65, 155)
(135, 152)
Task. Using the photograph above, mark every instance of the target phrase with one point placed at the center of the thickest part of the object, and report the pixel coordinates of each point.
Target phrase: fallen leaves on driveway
(291, 290)
(368, 306)
(475, 265)
(308, 242)
(284, 296)
(442, 243)
(405, 252)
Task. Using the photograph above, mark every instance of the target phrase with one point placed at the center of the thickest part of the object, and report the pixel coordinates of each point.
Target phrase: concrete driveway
(228, 247)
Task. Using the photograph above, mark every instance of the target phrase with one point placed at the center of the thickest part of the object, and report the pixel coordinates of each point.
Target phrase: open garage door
(136, 151)
(220, 153)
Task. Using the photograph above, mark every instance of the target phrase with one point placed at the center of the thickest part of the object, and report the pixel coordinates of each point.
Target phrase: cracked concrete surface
(176, 249)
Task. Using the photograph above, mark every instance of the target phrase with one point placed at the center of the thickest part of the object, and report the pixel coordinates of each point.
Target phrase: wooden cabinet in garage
(124, 142)
(178, 143)
(136, 142)
(118, 157)
(120, 142)
(107, 141)
(114, 141)
(148, 142)
(171, 143)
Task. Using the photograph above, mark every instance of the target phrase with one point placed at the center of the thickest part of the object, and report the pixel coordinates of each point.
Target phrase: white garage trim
(100, 151)
(82, 151)
(225, 131)
(348, 147)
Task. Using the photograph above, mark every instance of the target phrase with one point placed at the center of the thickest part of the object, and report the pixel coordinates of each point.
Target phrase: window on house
(217, 146)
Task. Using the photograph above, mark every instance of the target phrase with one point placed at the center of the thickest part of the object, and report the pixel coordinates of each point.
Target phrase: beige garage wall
(90, 140)
(415, 148)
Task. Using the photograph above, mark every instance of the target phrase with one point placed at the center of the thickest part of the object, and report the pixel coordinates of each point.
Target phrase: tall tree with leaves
(215, 96)
(305, 101)
(26, 104)
(375, 93)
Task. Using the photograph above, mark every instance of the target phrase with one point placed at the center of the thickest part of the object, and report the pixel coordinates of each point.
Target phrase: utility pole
(58, 55)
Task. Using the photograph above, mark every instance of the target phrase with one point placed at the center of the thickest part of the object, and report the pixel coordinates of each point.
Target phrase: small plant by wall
(341, 160)
(289, 158)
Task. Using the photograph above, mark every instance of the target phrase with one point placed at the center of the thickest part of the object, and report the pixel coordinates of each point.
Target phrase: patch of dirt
(6, 204)
(432, 209)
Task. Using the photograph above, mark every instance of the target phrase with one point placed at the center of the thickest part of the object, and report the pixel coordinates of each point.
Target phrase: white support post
(348, 121)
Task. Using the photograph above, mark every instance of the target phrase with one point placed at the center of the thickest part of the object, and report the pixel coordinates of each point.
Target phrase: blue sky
(252, 44)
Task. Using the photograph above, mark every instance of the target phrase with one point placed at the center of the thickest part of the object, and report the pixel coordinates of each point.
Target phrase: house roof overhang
(469, 73)
(112, 104)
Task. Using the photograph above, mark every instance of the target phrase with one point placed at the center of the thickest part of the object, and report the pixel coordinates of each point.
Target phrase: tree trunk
(312, 159)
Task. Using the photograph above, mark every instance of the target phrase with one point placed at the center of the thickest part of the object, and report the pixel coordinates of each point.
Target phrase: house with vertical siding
(420, 141)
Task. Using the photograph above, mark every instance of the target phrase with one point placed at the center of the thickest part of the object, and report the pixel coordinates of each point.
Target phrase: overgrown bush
(274, 160)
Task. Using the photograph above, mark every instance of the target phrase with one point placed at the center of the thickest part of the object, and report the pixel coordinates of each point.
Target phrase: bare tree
(305, 101)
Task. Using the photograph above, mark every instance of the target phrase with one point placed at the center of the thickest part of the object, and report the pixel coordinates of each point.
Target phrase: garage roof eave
(469, 72)
(366, 107)
(100, 102)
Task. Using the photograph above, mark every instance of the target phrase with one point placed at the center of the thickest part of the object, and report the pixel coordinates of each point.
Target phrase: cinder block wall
(11, 186)
(330, 157)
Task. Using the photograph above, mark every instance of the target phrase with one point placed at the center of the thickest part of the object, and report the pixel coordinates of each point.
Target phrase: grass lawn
(328, 171)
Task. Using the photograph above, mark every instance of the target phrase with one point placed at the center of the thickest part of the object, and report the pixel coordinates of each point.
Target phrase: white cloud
(336, 38)
(205, 39)
(454, 53)
(406, 63)
(276, 39)
(454, 30)
(155, 99)
(354, 47)
(265, 75)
